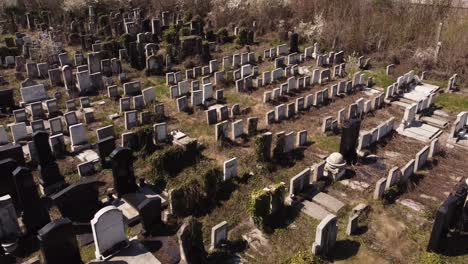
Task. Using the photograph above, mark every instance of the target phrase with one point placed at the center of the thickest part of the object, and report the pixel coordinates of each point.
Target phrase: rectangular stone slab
(328, 201)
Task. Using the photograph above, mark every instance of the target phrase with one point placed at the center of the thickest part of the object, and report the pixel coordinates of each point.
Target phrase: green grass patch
(380, 78)
(243, 100)
(453, 102)
(87, 253)
(327, 143)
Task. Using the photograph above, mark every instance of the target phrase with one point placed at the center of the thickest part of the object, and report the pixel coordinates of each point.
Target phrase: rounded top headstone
(336, 160)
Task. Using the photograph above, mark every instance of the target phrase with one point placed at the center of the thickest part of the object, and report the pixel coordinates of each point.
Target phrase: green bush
(185, 31)
(266, 206)
(199, 193)
(169, 35)
(430, 258)
(223, 36)
(125, 40)
(171, 161)
(242, 36)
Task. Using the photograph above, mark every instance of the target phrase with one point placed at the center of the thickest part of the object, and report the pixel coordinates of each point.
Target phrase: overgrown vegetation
(267, 205)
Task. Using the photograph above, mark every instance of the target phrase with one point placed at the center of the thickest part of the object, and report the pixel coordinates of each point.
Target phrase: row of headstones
(459, 126)
(237, 127)
(219, 113)
(368, 138)
(355, 110)
(401, 176)
(409, 117)
(294, 84)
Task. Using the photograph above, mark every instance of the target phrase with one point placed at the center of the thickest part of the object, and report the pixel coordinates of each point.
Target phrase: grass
(327, 143)
(87, 253)
(453, 103)
(380, 78)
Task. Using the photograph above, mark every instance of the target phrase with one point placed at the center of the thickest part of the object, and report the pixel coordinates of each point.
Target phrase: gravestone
(50, 178)
(58, 242)
(150, 213)
(122, 171)
(108, 232)
(219, 234)
(325, 235)
(35, 215)
(105, 147)
(230, 169)
(79, 201)
(10, 231)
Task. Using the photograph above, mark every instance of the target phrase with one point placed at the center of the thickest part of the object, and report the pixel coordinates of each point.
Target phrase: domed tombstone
(335, 166)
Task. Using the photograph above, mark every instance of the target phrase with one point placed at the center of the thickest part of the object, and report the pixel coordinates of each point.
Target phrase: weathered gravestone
(58, 243)
(35, 216)
(50, 178)
(108, 232)
(122, 171)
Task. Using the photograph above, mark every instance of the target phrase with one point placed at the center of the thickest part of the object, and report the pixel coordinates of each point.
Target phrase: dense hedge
(265, 205)
(199, 193)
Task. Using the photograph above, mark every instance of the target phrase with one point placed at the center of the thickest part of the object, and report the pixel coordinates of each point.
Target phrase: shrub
(222, 36)
(199, 193)
(242, 36)
(169, 35)
(125, 40)
(305, 257)
(266, 206)
(430, 258)
(172, 160)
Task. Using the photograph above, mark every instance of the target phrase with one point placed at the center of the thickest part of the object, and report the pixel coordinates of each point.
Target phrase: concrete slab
(88, 155)
(439, 123)
(327, 201)
(131, 215)
(314, 210)
(135, 253)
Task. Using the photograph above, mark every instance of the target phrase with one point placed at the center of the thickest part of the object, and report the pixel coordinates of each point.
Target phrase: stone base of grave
(420, 131)
(436, 122)
(327, 201)
(51, 189)
(314, 210)
(135, 253)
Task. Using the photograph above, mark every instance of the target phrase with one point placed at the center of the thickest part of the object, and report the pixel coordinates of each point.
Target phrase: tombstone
(149, 95)
(131, 119)
(150, 214)
(407, 171)
(58, 242)
(19, 132)
(230, 169)
(50, 178)
(237, 129)
(10, 231)
(33, 93)
(379, 188)
(7, 101)
(78, 137)
(299, 182)
(219, 234)
(325, 235)
(122, 171)
(160, 132)
(421, 158)
(31, 69)
(108, 232)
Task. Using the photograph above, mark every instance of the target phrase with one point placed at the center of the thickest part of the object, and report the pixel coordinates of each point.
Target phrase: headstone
(219, 234)
(108, 232)
(122, 171)
(58, 242)
(230, 169)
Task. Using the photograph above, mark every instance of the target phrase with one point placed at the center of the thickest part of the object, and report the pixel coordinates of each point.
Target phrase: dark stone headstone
(12, 151)
(7, 101)
(122, 171)
(150, 213)
(105, 147)
(7, 184)
(349, 138)
(41, 142)
(58, 243)
(294, 43)
(50, 177)
(35, 215)
(79, 201)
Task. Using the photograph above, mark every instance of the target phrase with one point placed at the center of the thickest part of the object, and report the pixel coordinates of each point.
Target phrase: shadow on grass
(344, 249)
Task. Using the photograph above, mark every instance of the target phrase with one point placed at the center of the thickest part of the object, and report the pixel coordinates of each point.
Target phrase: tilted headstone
(108, 232)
